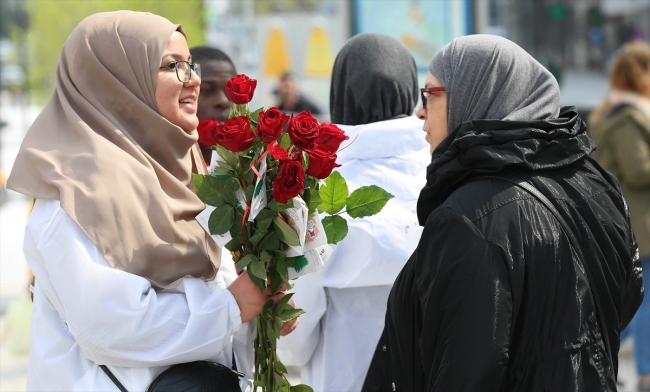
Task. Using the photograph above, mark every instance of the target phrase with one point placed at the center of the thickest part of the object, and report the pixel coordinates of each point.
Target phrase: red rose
(321, 162)
(207, 129)
(270, 124)
(279, 153)
(235, 134)
(303, 130)
(289, 182)
(330, 137)
(240, 89)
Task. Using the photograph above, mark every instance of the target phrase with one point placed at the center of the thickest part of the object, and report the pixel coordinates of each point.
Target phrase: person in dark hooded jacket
(495, 296)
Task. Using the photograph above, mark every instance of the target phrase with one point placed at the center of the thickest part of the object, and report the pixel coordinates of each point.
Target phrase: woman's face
(435, 114)
(177, 101)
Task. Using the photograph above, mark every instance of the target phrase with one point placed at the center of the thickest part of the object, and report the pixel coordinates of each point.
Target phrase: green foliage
(367, 201)
(285, 141)
(278, 207)
(285, 232)
(51, 22)
(215, 191)
(256, 115)
(290, 314)
(208, 189)
(228, 156)
(334, 193)
(312, 199)
(336, 228)
(300, 388)
(221, 219)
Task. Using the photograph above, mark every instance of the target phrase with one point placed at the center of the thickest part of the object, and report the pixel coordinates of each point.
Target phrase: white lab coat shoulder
(87, 313)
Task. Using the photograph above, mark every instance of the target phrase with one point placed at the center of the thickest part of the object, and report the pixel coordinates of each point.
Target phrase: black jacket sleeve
(466, 301)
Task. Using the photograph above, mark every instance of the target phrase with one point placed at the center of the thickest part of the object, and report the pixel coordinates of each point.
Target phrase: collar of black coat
(490, 146)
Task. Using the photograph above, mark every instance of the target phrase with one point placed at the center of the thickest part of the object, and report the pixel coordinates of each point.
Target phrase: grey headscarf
(374, 79)
(490, 77)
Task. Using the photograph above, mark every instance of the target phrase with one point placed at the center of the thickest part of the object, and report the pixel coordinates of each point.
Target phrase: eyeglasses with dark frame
(429, 90)
(184, 68)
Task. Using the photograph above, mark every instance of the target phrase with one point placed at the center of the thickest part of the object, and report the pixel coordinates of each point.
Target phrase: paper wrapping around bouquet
(313, 252)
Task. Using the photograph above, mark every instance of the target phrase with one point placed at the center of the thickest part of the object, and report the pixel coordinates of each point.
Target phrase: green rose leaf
(336, 228)
(256, 268)
(260, 283)
(228, 156)
(276, 281)
(283, 270)
(221, 219)
(280, 366)
(334, 193)
(235, 230)
(305, 161)
(290, 314)
(257, 237)
(233, 245)
(256, 115)
(312, 199)
(229, 187)
(285, 141)
(270, 242)
(222, 173)
(367, 201)
(300, 388)
(224, 165)
(285, 232)
(245, 261)
(278, 207)
(279, 307)
(264, 219)
(208, 189)
(249, 176)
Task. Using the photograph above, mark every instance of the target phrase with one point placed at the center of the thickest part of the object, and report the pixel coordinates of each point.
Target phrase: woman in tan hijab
(125, 275)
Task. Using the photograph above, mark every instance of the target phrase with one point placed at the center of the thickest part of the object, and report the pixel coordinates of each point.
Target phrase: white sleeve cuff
(235, 313)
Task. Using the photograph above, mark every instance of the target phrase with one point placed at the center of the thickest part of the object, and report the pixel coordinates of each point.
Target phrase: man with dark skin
(216, 69)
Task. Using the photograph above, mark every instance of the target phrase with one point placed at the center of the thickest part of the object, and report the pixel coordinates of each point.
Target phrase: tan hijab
(120, 170)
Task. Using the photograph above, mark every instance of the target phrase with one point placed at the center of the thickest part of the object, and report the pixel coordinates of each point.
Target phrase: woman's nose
(421, 113)
(195, 80)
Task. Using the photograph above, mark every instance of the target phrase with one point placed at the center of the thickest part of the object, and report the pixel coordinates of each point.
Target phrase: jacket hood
(489, 146)
(383, 139)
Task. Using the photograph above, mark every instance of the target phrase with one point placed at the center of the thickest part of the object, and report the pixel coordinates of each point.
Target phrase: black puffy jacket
(494, 298)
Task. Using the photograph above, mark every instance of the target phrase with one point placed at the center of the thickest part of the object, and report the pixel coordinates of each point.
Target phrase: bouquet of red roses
(270, 181)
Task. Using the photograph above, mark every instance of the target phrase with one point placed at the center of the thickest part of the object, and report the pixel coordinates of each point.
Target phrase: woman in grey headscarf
(497, 297)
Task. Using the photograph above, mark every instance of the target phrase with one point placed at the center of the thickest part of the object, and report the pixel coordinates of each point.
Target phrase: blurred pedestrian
(216, 69)
(621, 128)
(125, 275)
(499, 294)
(373, 93)
(291, 99)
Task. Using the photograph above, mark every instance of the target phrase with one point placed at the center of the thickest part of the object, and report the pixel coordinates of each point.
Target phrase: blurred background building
(574, 39)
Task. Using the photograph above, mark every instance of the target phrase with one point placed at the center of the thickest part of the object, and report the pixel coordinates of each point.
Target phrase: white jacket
(346, 302)
(87, 313)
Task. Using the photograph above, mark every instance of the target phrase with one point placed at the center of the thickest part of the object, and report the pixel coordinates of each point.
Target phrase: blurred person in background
(216, 69)
(621, 129)
(499, 295)
(291, 99)
(372, 96)
(125, 275)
